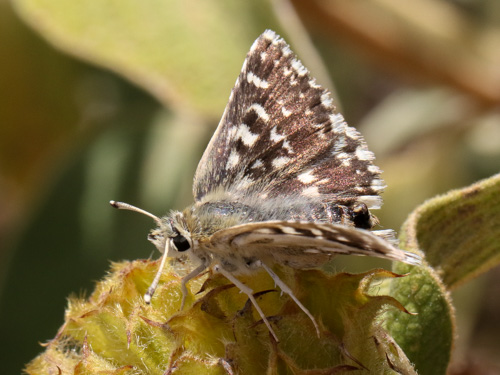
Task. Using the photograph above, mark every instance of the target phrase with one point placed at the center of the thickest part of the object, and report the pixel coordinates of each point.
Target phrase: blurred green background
(118, 99)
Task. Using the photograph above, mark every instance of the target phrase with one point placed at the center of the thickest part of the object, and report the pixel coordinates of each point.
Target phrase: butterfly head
(172, 236)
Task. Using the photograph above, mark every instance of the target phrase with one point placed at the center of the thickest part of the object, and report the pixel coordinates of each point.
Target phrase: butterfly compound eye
(181, 243)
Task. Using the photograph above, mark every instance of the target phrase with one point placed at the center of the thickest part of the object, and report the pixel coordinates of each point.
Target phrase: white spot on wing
(280, 161)
(288, 230)
(257, 164)
(362, 153)
(286, 71)
(233, 159)
(285, 112)
(247, 137)
(371, 201)
(313, 84)
(339, 144)
(343, 156)
(299, 68)
(326, 100)
(264, 231)
(377, 184)
(339, 125)
(269, 35)
(307, 177)
(327, 228)
(346, 163)
(352, 133)
(287, 51)
(286, 146)
(259, 83)
(316, 232)
(261, 112)
(232, 132)
(275, 137)
(311, 191)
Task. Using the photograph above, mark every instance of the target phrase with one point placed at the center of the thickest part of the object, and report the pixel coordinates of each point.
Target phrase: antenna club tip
(147, 298)
(126, 206)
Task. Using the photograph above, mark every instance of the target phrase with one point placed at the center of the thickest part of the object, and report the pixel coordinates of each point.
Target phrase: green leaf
(459, 232)
(183, 53)
(427, 337)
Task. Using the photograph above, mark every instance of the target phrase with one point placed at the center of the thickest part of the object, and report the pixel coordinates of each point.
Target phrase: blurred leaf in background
(420, 81)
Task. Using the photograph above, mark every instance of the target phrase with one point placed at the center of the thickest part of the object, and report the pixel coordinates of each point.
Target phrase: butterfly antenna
(126, 206)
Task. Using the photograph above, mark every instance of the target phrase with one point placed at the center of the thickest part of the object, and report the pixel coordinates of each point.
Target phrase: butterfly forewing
(280, 136)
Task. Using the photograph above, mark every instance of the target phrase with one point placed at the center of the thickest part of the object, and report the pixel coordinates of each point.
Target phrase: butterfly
(284, 180)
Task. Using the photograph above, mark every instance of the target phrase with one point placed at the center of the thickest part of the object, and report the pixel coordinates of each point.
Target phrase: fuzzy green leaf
(459, 232)
(426, 338)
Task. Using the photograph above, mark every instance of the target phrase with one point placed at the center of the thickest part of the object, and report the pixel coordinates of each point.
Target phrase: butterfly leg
(154, 284)
(188, 277)
(249, 292)
(287, 290)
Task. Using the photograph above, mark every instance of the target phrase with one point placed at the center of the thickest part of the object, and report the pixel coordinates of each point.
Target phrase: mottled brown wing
(281, 136)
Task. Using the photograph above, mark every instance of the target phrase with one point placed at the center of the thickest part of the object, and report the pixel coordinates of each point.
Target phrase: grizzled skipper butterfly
(283, 180)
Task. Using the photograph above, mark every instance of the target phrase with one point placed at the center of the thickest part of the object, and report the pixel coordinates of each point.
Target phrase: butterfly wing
(280, 136)
(304, 244)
